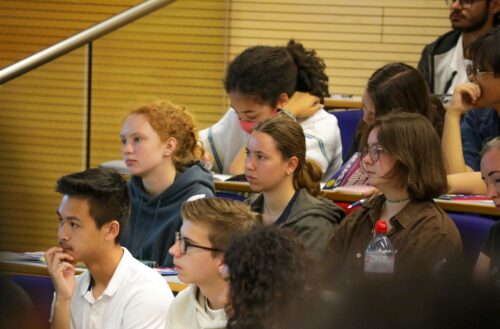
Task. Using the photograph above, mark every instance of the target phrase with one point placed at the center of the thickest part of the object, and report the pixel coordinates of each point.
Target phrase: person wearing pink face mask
(259, 82)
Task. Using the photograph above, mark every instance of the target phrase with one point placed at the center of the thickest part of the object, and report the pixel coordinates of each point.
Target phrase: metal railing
(65, 46)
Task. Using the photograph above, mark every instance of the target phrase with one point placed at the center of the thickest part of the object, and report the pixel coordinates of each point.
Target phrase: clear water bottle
(379, 255)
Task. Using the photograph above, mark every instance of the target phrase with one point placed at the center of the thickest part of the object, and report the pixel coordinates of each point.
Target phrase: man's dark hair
(106, 191)
(485, 51)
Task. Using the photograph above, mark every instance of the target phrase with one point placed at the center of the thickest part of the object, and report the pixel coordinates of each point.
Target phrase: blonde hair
(170, 120)
(226, 218)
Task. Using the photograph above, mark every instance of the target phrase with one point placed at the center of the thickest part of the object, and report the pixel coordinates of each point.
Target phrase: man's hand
(464, 98)
(62, 272)
(303, 105)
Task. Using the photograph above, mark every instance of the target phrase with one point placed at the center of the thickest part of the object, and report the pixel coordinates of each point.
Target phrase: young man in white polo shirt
(116, 291)
(207, 227)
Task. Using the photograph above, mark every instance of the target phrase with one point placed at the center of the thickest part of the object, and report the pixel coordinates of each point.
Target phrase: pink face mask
(247, 125)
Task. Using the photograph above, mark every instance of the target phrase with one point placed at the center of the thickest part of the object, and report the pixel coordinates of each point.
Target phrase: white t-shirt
(190, 310)
(136, 297)
(323, 144)
(451, 69)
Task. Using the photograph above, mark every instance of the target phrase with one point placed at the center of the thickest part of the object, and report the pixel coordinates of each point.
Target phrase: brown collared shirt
(422, 234)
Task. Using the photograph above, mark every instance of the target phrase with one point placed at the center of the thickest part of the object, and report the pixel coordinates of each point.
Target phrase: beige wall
(178, 53)
(354, 37)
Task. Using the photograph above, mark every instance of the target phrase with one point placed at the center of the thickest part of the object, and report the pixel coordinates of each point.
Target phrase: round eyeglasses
(185, 244)
(375, 150)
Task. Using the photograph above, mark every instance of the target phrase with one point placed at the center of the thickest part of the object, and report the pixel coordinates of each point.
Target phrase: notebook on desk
(350, 174)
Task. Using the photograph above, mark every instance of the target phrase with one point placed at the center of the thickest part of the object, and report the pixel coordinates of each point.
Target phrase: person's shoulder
(319, 117)
(317, 209)
(143, 276)
(194, 177)
(481, 118)
(444, 42)
(184, 299)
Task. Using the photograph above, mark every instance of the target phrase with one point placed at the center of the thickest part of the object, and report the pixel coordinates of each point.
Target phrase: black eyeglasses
(375, 150)
(185, 244)
(471, 71)
(463, 3)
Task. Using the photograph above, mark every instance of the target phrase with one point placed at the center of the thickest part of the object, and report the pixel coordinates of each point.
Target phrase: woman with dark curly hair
(261, 80)
(269, 277)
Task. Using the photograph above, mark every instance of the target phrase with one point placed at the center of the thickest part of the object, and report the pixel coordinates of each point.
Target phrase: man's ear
(494, 7)
(282, 100)
(111, 230)
(219, 259)
(170, 146)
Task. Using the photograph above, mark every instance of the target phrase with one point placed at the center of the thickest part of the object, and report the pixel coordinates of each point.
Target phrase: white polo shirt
(136, 297)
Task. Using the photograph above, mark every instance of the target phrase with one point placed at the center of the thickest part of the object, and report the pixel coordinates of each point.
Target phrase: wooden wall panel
(354, 37)
(41, 124)
(177, 53)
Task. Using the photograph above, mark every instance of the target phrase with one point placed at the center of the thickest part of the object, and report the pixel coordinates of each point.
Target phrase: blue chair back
(39, 288)
(473, 231)
(348, 123)
(229, 195)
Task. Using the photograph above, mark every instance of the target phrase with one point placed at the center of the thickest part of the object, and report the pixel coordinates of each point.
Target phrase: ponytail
(311, 76)
(308, 177)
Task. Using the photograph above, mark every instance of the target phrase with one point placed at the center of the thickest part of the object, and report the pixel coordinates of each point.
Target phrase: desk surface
(33, 268)
(343, 103)
(342, 196)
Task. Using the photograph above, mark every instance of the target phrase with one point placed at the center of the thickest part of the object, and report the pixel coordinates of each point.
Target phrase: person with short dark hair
(443, 62)
(288, 184)
(208, 224)
(270, 278)
(161, 151)
(261, 80)
(473, 116)
(403, 160)
(116, 290)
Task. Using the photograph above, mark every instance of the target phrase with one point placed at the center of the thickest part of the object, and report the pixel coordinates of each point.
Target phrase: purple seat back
(348, 121)
(473, 231)
(41, 292)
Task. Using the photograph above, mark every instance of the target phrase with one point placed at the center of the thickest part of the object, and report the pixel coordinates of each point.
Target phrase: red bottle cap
(380, 227)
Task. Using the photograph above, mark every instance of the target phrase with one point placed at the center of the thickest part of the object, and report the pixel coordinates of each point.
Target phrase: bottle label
(379, 263)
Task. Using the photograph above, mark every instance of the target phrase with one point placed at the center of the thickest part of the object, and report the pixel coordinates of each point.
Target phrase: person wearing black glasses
(402, 160)
(443, 63)
(473, 116)
(208, 224)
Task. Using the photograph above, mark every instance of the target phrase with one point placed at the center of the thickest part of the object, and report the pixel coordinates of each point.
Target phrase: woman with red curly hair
(161, 151)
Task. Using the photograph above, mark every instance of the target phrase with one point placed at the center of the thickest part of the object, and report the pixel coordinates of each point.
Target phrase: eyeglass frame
(472, 71)
(461, 2)
(374, 155)
(185, 244)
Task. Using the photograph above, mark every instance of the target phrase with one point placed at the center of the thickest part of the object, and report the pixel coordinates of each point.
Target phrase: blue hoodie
(153, 221)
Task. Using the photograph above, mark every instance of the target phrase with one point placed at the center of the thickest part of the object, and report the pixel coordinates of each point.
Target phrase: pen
(357, 203)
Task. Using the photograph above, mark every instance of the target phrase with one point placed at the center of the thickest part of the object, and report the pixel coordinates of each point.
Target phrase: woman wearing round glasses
(404, 162)
(464, 138)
